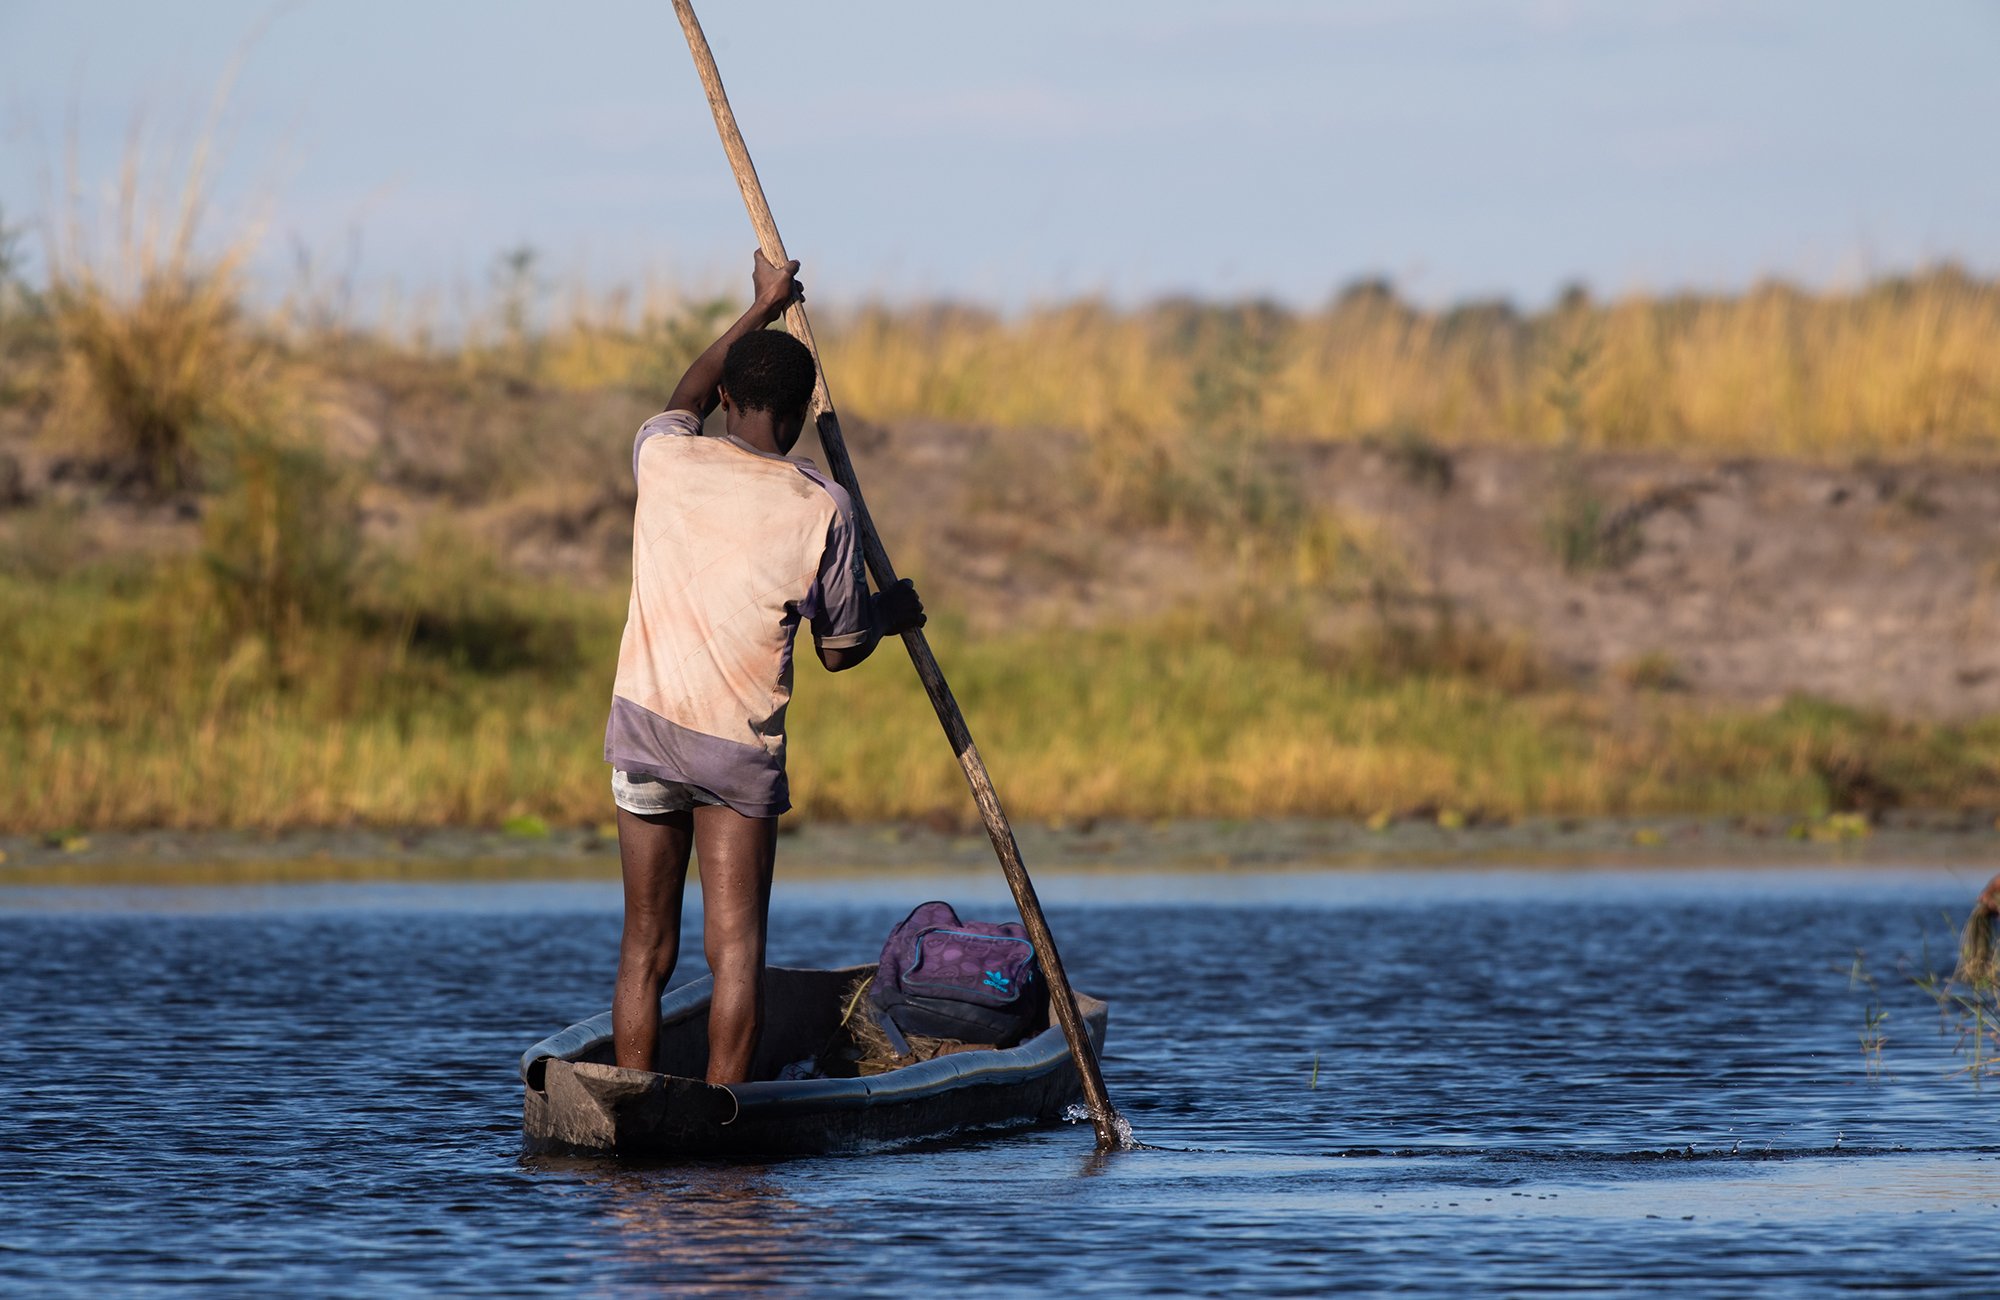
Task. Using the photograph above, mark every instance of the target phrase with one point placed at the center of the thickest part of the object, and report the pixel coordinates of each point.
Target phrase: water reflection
(718, 1229)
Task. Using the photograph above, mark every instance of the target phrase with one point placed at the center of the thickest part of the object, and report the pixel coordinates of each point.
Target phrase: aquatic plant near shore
(1873, 1016)
(1971, 1015)
(1967, 999)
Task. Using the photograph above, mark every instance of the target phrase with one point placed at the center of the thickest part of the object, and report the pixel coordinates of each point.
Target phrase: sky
(1033, 151)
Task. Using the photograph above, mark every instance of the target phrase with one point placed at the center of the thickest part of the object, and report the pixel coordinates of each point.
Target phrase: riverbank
(347, 581)
(533, 852)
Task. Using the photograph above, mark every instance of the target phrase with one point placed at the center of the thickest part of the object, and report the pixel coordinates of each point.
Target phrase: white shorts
(647, 796)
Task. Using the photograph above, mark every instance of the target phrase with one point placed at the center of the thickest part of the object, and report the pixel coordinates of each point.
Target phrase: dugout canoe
(576, 1100)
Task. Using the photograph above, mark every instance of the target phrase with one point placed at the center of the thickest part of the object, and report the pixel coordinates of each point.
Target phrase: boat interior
(804, 1011)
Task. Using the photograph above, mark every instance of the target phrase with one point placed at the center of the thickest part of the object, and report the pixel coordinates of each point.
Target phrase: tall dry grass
(1176, 398)
(1906, 365)
(157, 358)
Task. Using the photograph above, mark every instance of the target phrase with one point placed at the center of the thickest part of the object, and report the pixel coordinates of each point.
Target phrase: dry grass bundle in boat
(877, 1054)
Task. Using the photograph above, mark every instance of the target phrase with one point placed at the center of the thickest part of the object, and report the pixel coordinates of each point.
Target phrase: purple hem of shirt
(745, 777)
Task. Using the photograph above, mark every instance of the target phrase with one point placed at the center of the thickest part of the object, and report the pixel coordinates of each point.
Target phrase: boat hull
(577, 1100)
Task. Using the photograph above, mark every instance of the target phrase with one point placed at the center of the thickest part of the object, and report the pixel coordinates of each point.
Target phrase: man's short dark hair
(769, 371)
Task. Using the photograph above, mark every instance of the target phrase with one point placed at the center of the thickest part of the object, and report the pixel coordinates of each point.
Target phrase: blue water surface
(1436, 1082)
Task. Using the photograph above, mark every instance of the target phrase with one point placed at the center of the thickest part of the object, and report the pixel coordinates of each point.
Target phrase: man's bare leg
(653, 854)
(737, 854)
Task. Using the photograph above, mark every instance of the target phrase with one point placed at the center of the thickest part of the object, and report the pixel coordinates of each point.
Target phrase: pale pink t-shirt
(731, 547)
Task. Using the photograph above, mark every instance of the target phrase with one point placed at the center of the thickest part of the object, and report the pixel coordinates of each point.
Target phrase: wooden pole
(1061, 999)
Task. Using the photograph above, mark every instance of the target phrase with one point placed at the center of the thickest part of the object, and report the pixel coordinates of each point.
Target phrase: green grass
(134, 700)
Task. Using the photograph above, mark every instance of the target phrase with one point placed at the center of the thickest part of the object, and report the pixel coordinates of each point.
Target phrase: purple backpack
(975, 981)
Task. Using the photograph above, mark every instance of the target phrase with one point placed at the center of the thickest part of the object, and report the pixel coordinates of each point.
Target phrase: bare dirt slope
(1874, 585)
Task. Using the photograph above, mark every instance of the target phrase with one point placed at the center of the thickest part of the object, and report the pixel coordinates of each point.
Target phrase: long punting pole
(1061, 998)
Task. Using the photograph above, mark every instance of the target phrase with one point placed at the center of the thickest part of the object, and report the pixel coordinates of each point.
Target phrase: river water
(1459, 1082)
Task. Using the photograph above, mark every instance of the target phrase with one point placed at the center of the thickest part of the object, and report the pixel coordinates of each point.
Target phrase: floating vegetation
(525, 826)
(1834, 828)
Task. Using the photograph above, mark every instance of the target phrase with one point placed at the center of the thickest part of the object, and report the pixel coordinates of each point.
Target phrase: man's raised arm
(776, 287)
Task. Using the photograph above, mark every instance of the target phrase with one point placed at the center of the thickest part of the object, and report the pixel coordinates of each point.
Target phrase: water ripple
(1558, 1084)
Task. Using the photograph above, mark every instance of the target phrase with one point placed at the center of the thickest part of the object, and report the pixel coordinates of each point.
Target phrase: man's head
(769, 372)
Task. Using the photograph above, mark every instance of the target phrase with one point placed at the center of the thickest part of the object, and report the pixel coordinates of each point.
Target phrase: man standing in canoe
(733, 544)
